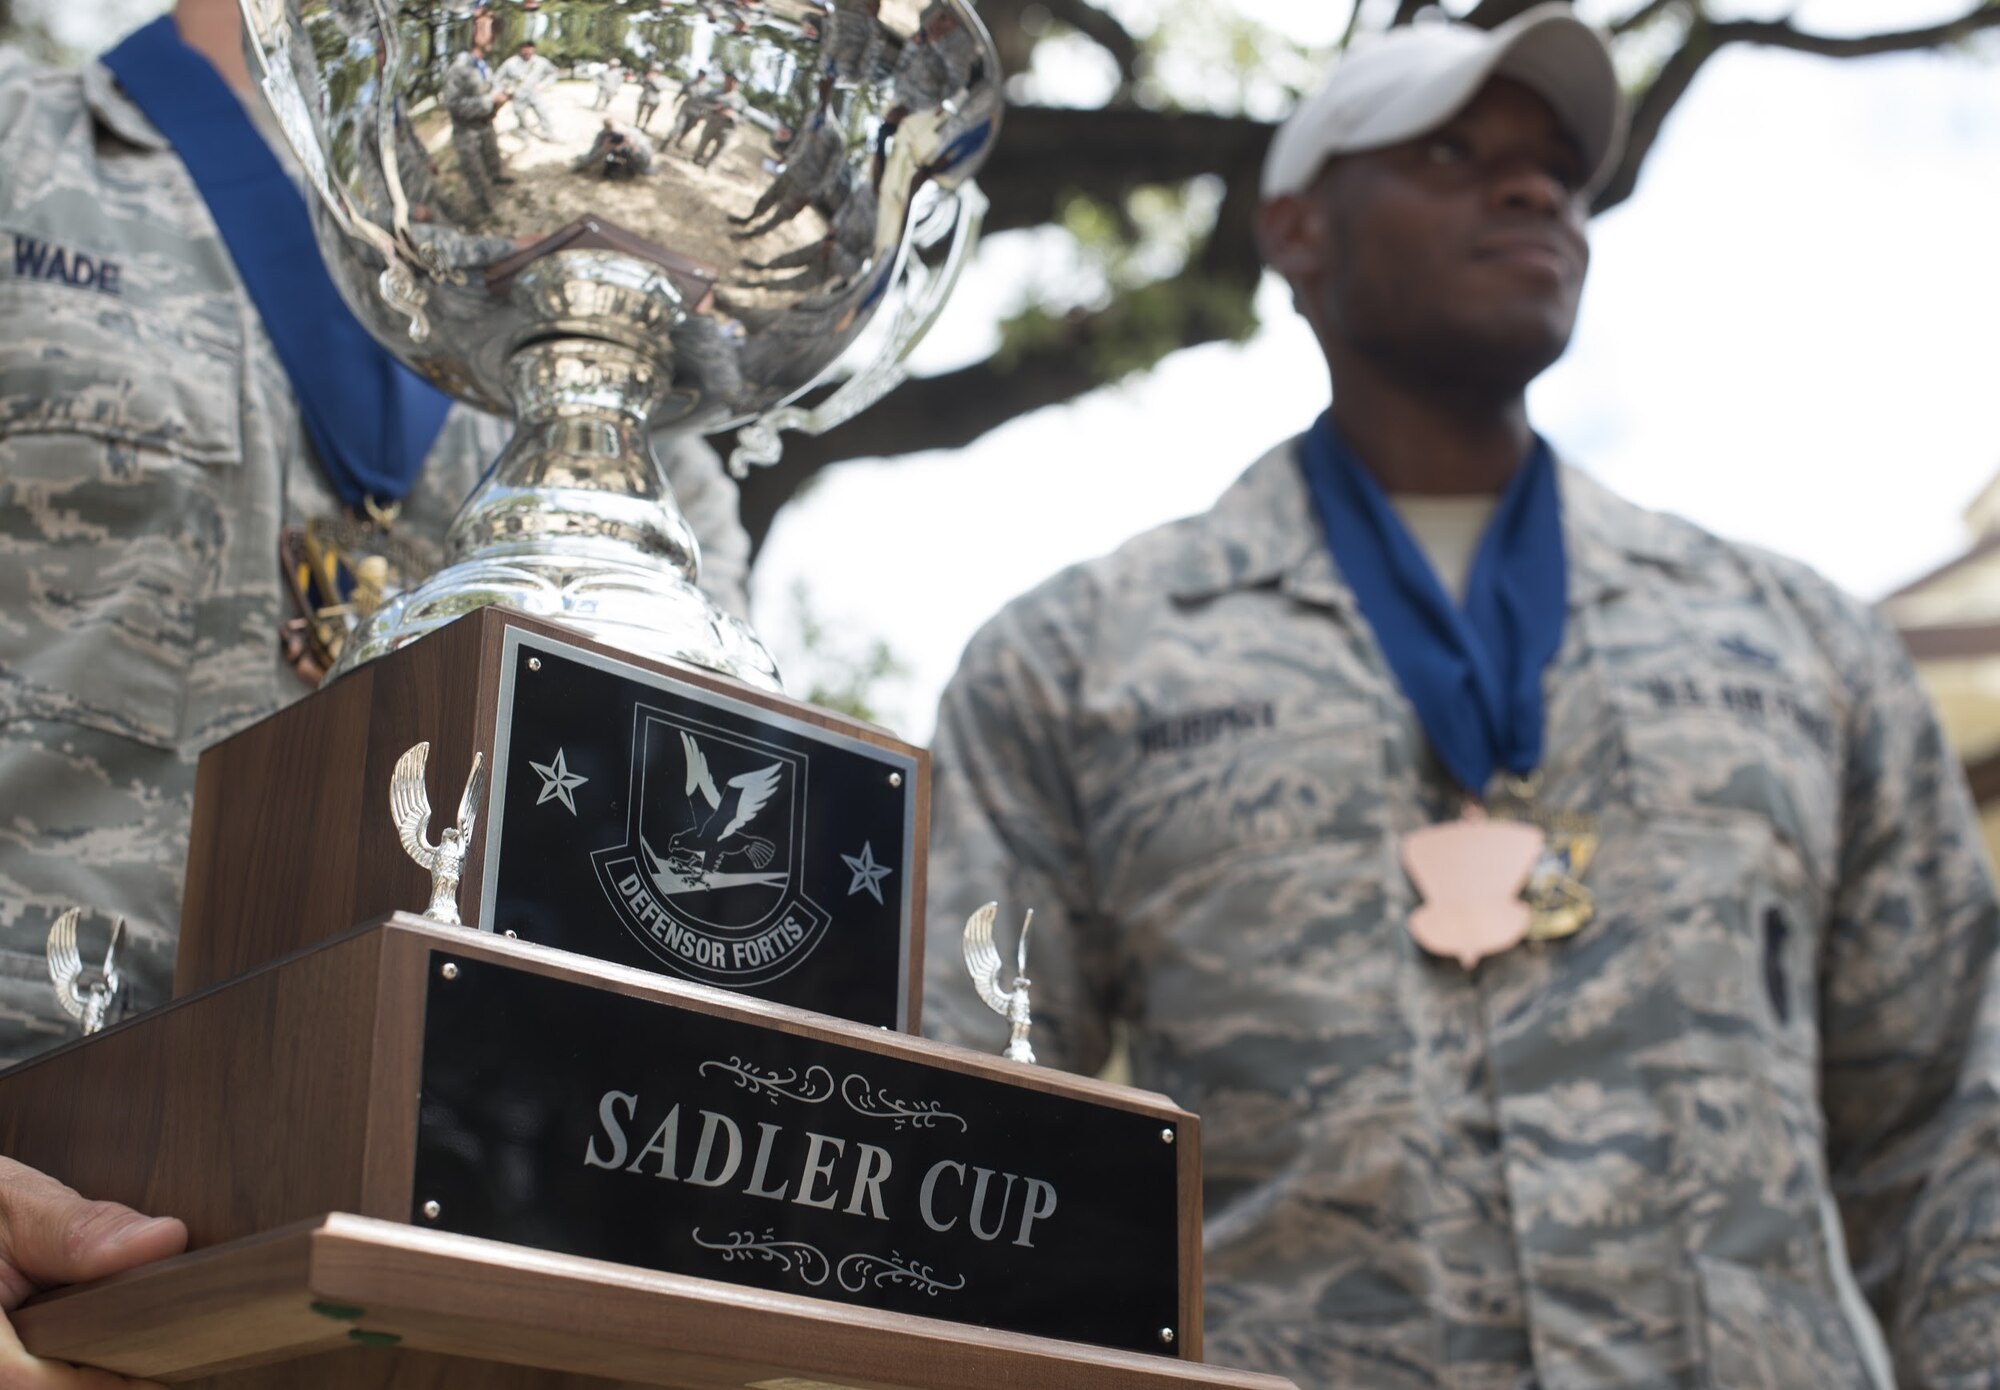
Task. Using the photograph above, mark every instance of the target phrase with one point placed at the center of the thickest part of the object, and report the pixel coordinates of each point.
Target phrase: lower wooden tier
(342, 1302)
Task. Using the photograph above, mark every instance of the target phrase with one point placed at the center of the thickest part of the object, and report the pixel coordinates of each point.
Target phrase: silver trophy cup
(607, 217)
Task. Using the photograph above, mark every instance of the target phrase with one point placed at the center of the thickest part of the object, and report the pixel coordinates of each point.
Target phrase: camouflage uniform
(814, 161)
(1686, 1147)
(718, 125)
(620, 151)
(839, 256)
(651, 88)
(689, 107)
(470, 99)
(522, 79)
(851, 40)
(609, 79)
(150, 450)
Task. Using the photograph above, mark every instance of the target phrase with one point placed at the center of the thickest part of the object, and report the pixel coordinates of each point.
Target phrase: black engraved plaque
(655, 823)
(569, 1118)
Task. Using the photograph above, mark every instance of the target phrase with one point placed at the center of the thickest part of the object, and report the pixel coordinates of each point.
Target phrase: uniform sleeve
(460, 455)
(1005, 827)
(1910, 1022)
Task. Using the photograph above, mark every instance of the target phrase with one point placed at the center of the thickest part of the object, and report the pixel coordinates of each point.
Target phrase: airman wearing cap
(1570, 926)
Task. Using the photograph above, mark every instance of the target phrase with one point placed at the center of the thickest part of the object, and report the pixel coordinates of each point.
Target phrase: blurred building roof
(1950, 621)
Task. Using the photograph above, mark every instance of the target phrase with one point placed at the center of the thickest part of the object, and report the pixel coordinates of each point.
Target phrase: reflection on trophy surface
(607, 217)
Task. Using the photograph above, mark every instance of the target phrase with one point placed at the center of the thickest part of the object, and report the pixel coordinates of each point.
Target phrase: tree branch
(1704, 40)
(1353, 26)
(1046, 153)
(1491, 14)
(1781, 33)
(1101, 29)
(1649, 112)
(1641, 17)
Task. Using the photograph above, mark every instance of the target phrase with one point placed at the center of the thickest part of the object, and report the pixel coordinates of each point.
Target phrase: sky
(1791, 336)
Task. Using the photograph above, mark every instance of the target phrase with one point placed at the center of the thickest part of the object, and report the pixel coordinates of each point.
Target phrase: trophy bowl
(605, 218)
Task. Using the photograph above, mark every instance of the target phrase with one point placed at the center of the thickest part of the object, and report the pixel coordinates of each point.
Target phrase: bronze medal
(1471, 873)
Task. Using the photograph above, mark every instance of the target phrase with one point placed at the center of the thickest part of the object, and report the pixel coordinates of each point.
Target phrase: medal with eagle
(1558, 903)
(338, 570)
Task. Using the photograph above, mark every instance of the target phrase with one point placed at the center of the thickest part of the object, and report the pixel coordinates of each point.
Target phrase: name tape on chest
(35, 259)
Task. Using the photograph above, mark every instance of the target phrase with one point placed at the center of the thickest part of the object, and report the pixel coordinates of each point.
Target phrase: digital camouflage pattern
(150, 451)
(472, 101)
(1687, 1147)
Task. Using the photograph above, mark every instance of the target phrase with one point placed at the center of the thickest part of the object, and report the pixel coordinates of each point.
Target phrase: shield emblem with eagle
(650, 821)
(708, 876)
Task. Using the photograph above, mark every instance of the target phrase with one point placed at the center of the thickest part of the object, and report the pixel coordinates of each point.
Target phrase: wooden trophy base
(346, 1302)
(415, 1156)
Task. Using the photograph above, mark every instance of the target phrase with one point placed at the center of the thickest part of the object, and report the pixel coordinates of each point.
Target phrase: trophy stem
(576, 521)
(579, 477)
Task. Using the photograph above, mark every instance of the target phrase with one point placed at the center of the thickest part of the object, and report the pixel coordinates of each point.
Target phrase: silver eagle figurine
(410, 803)
(982, 958)
(90, 1004)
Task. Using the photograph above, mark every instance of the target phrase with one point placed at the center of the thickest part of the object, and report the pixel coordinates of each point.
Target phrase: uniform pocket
(1716, 744)
(1286, 779)
(1765, 1332)
(1734, 777)
(120, 430)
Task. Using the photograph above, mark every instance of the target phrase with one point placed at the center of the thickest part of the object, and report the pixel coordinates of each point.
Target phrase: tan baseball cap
(1413, 79)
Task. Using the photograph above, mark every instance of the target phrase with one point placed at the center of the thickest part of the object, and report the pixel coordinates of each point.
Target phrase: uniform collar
(1263, 532)
(1615, 545)
(117, 112)
(114, 110)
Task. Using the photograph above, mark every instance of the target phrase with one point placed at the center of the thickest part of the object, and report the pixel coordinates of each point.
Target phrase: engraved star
(557, 781)
(867, 873)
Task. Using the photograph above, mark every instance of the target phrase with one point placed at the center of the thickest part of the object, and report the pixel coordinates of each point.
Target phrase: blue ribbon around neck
(371, 420)
(1473, 672)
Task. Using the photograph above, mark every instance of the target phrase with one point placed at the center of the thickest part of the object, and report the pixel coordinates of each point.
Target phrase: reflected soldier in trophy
(852, 37)
(609, 78)
(620, 151)
(719, 122)
(652, 87)
(687, 106)
(472, 100)
(524, 77)
(812, 163)
(939, 61)
(838, 256)
(690, 105)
